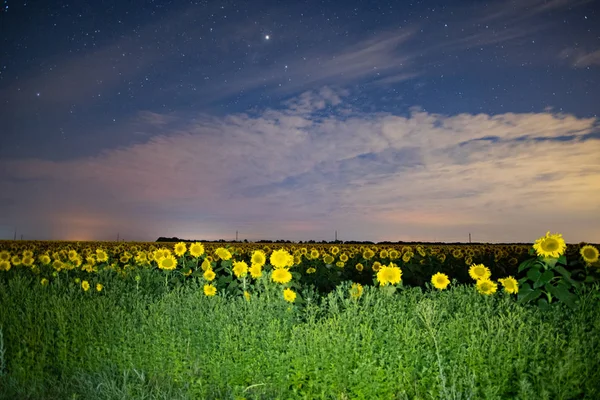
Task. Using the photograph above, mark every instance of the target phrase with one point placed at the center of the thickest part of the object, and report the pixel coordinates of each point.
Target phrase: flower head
(589, 254)
(196, 249)
(440, 281)
(240, 269)
(479, 271)
(209, 274)
(486, 286)
(550, 245)
(167, 263)
(281, 275)
(99, 287)
(258, 258)
(223, 253)
(289, 295)
(180, 249)
(210, 290)
(85, 285)
(256, 271)
(510, 284)
(389, 274)
(281, 259)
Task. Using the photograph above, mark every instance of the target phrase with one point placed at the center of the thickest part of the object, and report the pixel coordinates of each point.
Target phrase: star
(267, 37)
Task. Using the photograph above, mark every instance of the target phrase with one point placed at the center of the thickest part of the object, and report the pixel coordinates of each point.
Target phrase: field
(83, 320)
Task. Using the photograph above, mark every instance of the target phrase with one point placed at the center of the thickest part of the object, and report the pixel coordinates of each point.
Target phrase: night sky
(383, 120)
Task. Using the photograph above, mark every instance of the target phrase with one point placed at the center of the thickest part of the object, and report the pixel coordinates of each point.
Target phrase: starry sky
(383, 120)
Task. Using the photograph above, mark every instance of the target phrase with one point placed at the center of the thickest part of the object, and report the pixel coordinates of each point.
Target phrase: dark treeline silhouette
(366, 242)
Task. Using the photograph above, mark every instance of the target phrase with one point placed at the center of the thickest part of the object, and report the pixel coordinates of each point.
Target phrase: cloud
(579, 58)
(300, 173)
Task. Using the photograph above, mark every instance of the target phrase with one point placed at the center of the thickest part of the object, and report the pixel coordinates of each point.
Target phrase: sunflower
(209, 275)
(407, 256)
(359, 267)
(15, 260)
(289, 295)
(479, 271)
(240, 269)
(368, 254)
(389, 274)
(223, 253)
(440, 281)
(314, 254)
(206, 265)
(589, 254)
(383, 254)
(247, 295)
(281, 259)
(210, 290)
(28, 261)
(486, 286)
(334, 250)
(344, 257)
(328, 259)
(4, 265)
(376, 266)
(256, 271)
(550, 245)
(180, 249)
(168, 263)
(99, 287)
(44, 282)
(72, 255)
(101, 255)
(258, 258)
(196, 249)
(85, 285)
(510, 284)
(311, 270)
(4, 255)
(356, 290)
(281, 275)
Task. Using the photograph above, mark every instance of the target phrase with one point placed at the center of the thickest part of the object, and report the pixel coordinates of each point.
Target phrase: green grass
(62, 343)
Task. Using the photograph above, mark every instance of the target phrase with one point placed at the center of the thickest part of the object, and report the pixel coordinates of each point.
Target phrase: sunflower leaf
(526, 264)
(562, 293)
(543, 279)
(534, 274)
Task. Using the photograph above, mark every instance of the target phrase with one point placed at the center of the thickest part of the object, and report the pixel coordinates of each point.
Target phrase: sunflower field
(247, 320)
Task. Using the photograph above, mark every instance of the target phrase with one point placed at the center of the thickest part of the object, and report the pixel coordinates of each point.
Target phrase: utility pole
(117, 237)
(236, 236)
(15, 238)
(469, 237)
(336, 236)
(21, 236)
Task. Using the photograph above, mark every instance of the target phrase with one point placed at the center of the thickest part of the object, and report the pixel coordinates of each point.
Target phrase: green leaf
(543, 279)
(543, 304)
(526, 264)
(562, 293)
(562, 260)
(534, 274)
(561, 270)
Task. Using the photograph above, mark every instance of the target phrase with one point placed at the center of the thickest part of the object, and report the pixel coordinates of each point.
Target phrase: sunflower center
(589, 253)
(550, 245)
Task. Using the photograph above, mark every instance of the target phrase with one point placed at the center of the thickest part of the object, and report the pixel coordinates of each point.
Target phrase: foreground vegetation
(415, 344)
(121, 321)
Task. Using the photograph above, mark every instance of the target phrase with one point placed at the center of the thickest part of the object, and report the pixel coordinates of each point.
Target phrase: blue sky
(397, 121)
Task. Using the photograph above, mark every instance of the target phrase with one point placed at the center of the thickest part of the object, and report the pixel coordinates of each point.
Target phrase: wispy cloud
(580, 58)
(297, 173)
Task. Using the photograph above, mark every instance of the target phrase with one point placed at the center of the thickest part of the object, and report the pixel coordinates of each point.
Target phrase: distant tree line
(366, 242)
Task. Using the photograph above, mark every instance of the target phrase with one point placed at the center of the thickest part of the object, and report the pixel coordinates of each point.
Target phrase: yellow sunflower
(209, 275)
(256, 271)
(196, 249)
(510, 284)
(589, 254)
(223, 253)
(440, 281)
(550, 245)
(167, 263)
(289, 295)
(240, 269)
(479, 271)
(180, 249)
(281, 275)
(486, 286)
(359, 267)
(210, 290)
(356, 290)
(387, 274)
(258, 258)
(85, 285)
(281, 259)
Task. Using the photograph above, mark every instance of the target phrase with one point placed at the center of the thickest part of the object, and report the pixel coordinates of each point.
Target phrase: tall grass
(58, 343)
